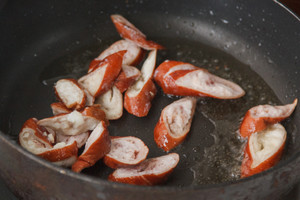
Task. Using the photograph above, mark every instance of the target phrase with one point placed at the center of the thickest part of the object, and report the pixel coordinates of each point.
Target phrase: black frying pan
(253, 43)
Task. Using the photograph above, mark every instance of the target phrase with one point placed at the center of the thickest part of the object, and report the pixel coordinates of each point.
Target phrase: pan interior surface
(212, 151)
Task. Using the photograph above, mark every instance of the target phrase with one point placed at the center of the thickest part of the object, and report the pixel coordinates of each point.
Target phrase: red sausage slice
(259, 117)
(263, 150)
(74, 123)
(35, 139)
(95, 112)
(62, 154)
(130, 32)
(132, 57)
(97, 145)
(102, 77)
(174, 123)
(150, 172)
(59, 108)
(184, 79)
(80, 139)
(128, 76)
(70, 93)
(138, 97)
(125, 151)
(111, 103)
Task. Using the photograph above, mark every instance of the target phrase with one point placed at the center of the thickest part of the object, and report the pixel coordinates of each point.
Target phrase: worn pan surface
(253, 43)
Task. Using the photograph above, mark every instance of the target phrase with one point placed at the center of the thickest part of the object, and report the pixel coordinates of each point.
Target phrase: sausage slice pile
(85, 106)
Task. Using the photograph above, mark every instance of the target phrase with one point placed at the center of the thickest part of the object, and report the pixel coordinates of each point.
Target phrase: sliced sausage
(184, 79)
(138, 97)
(59, 108)
(103, 76)
(97, 145)
(259, 117)
(95, 64)
(80, 139)
(150, 172)
(174, 123)
(133, 55)
(96, 112)
(130, 32)
(126, 151)
(111, 103)
(263, 150)
(62, 154)
(128, 76)
(74, 123)
(34, 138)
(70, 93)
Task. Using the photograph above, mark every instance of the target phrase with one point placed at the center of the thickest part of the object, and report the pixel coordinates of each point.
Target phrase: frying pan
(253, 43)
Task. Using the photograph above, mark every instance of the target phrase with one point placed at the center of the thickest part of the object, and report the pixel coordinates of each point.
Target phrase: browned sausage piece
(97, 145)
(59, 108)
(259, 117)
(184, 79)
(133, 55)
(62, 154)
(96, 112)
(150, 172)
(74, 123)
(102, 77)
(111, 103)
(128, 31)
(35, 139)
(263, 150)
(128, 76)
(69, 92)
(174, 123)
(126, 151)
(138, 97)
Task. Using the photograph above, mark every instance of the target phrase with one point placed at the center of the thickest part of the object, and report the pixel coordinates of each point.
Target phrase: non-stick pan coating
(252, 44)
